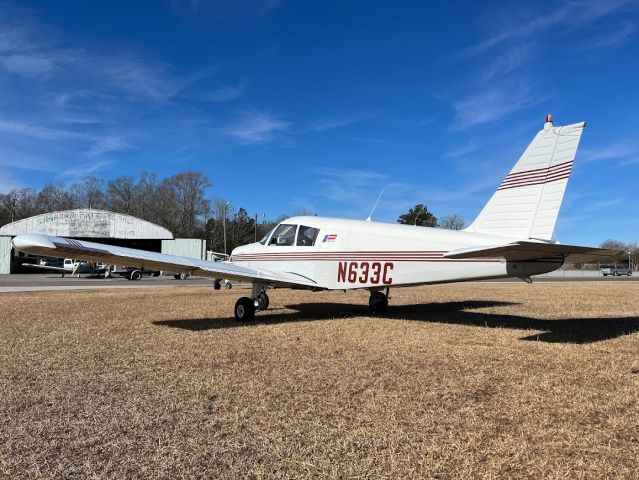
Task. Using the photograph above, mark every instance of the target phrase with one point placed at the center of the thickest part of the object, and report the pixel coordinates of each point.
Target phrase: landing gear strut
(260, 298)
(261, 301)
(378, 301)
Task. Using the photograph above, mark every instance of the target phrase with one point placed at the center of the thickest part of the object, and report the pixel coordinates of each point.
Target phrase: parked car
(615, 270)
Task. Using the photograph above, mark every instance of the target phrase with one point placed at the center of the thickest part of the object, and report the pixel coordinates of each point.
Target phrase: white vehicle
(513, 236)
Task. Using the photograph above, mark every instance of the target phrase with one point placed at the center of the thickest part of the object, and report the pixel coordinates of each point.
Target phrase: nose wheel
(378, 302)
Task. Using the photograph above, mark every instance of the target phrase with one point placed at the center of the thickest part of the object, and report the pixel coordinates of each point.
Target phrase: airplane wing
(527, 251)
(97, 252)
(46, 267)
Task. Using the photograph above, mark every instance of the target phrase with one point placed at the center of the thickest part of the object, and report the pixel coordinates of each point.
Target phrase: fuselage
(345, 254)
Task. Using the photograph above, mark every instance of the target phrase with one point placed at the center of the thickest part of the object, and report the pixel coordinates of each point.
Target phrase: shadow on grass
(572, 330)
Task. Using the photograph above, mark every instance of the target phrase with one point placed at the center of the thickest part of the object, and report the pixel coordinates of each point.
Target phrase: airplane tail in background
(527, 202)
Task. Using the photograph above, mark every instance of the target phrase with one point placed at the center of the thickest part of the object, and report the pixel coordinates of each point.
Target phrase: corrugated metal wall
(185, 247)
(5, 255)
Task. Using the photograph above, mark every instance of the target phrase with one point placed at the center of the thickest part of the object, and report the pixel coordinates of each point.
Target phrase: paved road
(43, 282)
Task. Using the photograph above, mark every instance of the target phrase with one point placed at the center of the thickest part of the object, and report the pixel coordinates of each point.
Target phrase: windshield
(265, 237)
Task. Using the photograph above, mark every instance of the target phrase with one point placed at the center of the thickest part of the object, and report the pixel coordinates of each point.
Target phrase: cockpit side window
(284, 235)
(306, 236)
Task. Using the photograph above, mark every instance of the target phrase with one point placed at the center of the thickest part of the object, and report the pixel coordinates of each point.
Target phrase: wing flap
(97, 252)
(529, 251)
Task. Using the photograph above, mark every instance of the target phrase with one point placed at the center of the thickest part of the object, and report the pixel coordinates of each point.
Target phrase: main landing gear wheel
(378, 302)
(181, 276)
(216, 285)
(261, 301)
(228, 285)
(244, 310)
(135, 275)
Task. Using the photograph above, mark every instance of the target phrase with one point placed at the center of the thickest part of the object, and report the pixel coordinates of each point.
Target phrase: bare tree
(89, 193)
(616, 245)
(122, 195)
(53, 197)
(452, 222)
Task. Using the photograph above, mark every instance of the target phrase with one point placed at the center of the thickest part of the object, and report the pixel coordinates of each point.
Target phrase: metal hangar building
(99, 226)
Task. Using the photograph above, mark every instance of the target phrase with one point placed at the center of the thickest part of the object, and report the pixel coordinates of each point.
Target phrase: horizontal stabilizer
(529, 251)
(97, 252)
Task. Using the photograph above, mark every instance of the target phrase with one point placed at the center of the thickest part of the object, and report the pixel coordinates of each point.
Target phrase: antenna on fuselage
(375, 206)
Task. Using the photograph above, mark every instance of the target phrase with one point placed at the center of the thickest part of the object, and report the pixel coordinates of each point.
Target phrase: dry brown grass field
(455, 381)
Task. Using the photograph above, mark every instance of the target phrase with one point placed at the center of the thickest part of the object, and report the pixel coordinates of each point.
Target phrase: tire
(216, 285)
(244, 310)
(261, 302)
(157, 274)
(228, 286)
(378, 302)
(136, 275)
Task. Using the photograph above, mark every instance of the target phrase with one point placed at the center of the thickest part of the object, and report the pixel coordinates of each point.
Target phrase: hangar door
(5, 255)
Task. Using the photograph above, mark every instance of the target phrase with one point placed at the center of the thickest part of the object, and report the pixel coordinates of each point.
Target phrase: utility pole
(13, 207)
(255, 224)
(226, 208)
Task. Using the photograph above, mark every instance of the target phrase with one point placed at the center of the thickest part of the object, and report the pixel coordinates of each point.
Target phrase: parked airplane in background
(513, 236)
(68, 266)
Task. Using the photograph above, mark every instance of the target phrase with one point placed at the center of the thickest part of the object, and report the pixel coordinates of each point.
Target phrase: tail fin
(527, 202)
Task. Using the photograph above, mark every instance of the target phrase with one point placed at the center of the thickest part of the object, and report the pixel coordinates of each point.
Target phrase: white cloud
(572, 15)
(83, 169)
(257, 127)
(603, 204)
(612, 38)
(8, 182)
(496, 101)
(18, 160)
(224, 93)
(106, 145)
(336, 122)
(618, 151)
(506, 63)
(462, 151)
(42, 133)
(28, 65)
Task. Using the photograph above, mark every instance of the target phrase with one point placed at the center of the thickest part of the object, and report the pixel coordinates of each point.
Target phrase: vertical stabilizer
(527, 202)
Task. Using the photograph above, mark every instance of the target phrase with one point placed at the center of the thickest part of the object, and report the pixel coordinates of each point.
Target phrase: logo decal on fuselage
(331, 237)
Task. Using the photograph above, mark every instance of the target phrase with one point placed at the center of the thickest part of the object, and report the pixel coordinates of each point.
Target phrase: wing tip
(32, 243)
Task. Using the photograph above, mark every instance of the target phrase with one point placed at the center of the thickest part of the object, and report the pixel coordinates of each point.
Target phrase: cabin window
(284, 235)
(306, 236)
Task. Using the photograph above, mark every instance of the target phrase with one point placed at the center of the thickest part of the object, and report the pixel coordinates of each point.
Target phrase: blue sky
(291, 105)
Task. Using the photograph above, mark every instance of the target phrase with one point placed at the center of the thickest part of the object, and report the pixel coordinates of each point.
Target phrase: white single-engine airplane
(511, 237)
